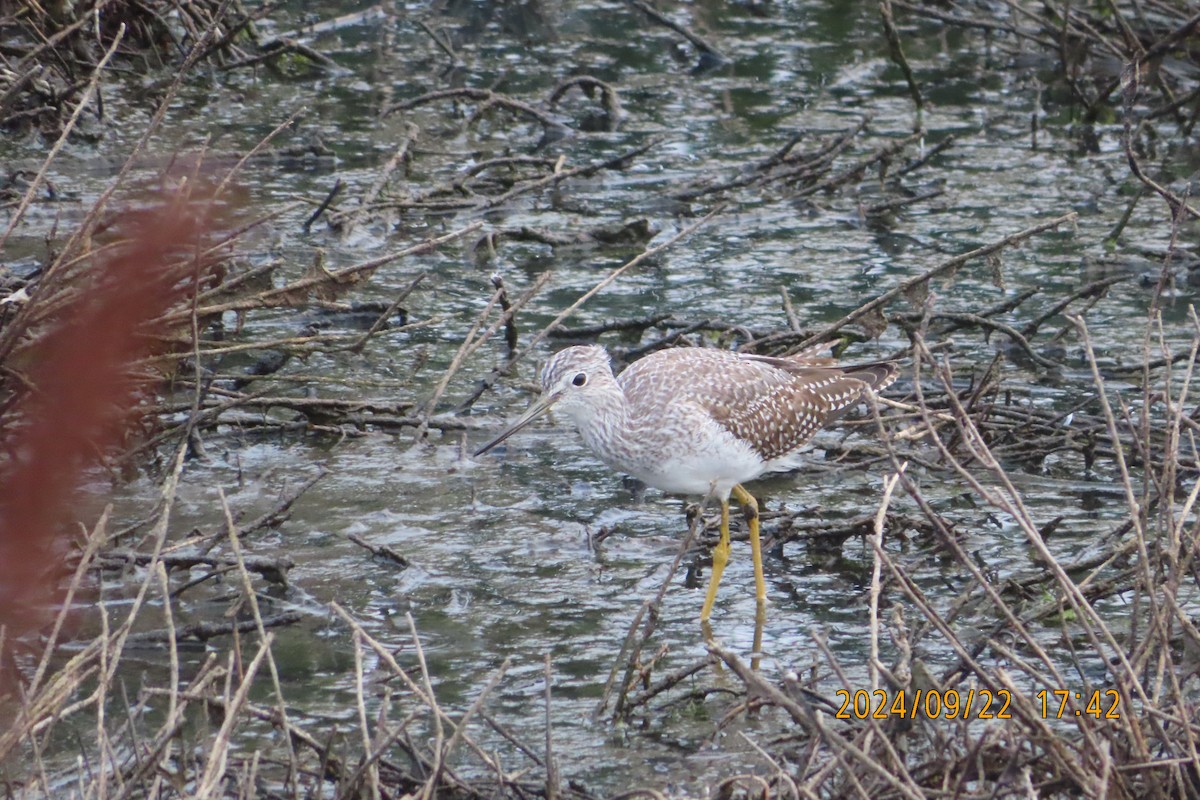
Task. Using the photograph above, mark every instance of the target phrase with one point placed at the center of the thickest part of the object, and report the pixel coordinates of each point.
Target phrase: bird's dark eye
(580, 379)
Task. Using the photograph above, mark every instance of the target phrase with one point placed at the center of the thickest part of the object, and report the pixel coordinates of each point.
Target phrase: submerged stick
(897, 52)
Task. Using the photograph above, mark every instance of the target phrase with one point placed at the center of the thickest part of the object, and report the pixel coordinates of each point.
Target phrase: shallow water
(501, 565)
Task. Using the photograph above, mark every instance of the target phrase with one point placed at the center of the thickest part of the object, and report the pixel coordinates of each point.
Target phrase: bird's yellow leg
(750, 509)
(720, 558)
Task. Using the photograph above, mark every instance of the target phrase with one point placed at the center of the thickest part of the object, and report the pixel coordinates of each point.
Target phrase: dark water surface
(501, 564)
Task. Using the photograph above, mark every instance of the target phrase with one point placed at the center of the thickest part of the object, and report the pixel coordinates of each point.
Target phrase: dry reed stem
(251, 599)
(218, 755)
(371, 767)
(300, 289)
(635, 639)
(947, 267)
(1009, 503)
(351, 220)
(419, 690)
(814, 723)
(1097, 745)
(471, 342)
(780, 773)
(80, 239)
(552, 786)
(889, 485)
(38, 179)
(537, 338)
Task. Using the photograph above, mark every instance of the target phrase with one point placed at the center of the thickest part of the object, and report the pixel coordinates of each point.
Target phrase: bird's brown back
(773, 404)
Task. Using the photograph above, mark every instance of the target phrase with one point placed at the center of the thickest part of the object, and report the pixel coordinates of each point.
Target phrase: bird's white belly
(682, 452)
(699, 473)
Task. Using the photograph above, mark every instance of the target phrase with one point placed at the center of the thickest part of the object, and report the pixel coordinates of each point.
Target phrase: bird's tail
(878, 375)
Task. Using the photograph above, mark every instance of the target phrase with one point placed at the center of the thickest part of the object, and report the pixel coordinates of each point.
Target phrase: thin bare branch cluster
(1091, 44)
(1091, 657)
(1114, 623)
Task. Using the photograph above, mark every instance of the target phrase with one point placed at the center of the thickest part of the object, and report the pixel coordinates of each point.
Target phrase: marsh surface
(505, 557)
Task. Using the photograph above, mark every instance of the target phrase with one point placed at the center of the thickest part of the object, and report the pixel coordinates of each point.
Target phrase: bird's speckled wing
(774, 405)
(783, 421)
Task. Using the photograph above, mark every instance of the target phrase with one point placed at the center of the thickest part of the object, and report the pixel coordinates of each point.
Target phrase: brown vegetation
(119, 332)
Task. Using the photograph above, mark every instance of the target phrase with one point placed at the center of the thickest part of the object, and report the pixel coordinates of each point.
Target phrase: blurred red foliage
(80, 392)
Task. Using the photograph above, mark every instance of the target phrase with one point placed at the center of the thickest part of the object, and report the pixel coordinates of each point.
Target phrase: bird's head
(574, 382)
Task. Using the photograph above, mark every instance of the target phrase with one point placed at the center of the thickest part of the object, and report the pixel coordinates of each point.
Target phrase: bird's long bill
(533, 412)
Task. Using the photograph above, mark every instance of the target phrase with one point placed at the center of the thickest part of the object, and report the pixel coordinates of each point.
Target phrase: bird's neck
(605, 429)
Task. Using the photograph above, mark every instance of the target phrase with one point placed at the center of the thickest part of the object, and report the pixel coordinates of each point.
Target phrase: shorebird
(701, 421)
